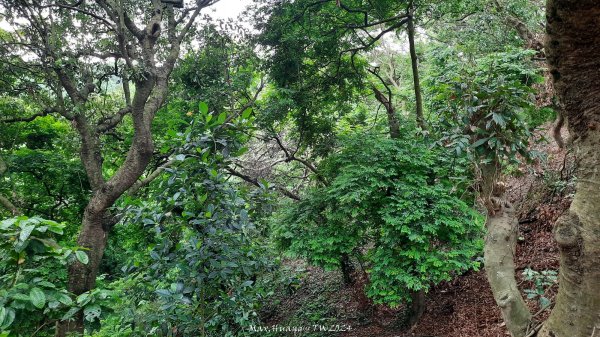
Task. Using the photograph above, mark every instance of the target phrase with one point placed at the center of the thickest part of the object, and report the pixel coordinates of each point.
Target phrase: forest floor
(463, 307)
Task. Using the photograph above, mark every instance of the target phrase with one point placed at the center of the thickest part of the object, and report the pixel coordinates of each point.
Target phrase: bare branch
(82, 11)
(291, 156)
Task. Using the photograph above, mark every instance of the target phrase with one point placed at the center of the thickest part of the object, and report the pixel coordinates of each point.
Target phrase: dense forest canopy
(305, 168)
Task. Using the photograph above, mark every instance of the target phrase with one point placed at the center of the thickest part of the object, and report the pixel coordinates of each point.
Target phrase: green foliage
(541, 282)
(192, 254)
(200, 273)
(315, 78)
(389, 198)
(30, 292)
(481, 27)
(222, 74)
(48, 182)
(484, 104)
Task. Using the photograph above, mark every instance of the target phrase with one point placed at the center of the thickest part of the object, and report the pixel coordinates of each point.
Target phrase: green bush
(394, 200)
(32, 293)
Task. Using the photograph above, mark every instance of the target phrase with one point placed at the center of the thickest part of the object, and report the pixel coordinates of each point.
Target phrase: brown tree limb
(255, 182)
(393, 123)
(523, 31)
(111, 122)
(499, 250)
(291, 156)
(556, 130)
(9, 205)
(43, 113)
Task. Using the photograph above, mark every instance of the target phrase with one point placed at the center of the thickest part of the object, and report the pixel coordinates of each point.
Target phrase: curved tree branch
(255, 182)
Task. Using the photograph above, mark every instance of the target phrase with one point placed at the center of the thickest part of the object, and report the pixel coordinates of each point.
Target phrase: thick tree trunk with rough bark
(96, 223)
(82, 277)
(573, 50)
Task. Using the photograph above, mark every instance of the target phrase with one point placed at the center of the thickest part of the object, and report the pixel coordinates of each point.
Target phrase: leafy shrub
(32, 293)
(393, 200)
(201, 274)
(485, 106)
(541, 282)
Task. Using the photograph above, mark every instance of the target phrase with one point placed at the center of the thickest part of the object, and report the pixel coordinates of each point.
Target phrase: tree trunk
(499, 251)
(500, 245)
(348, 270)
(96, 222)
(414, 60)
(574, 60)
(82, 277)
(416, 309)
(3, 200)
(393, 123)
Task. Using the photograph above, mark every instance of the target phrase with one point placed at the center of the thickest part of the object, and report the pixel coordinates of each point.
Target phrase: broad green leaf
(83, 299)
(37, 297)
(65, 299)
(47, 242)
(8, 319)
(163, 292)
(222, 117)
(82, 257)
(498, 119)
(26, 232)
(54, 226)
(45, 284)
(5, 224)
(20, 297)
(479, 142)
(70, 313)
(203, 108)
(92, 312)
(247, 113)
(241, 151)
(544, 302)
